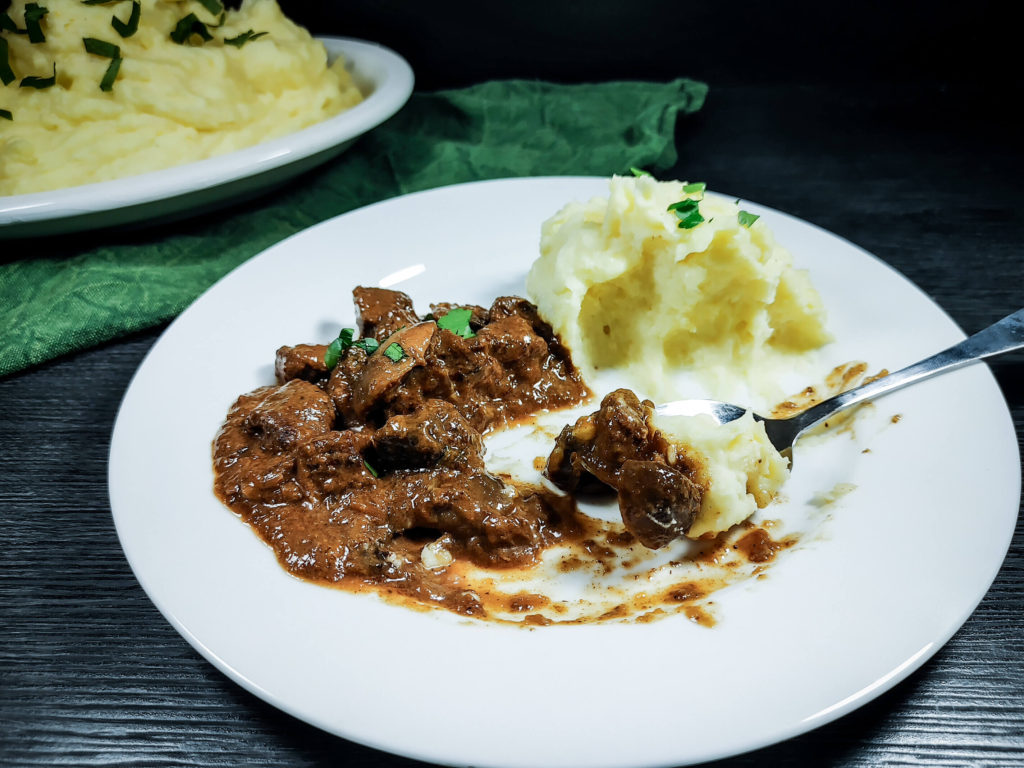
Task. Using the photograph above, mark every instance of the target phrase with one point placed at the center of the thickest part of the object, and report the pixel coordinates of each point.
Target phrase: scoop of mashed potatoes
(627, 288)
(742, 470)
(171, 103)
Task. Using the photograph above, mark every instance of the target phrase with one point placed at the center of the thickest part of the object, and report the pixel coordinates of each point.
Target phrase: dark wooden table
(926, 177)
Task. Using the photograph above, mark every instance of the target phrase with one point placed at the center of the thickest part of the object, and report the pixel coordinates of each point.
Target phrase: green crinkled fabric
(75, 292)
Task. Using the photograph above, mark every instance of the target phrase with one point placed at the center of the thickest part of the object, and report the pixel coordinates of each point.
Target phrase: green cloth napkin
(75, 292)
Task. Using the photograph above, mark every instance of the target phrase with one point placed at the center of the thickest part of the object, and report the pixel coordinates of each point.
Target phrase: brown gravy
(368, 474)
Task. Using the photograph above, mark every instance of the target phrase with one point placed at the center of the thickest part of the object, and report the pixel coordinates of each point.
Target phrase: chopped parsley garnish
(457, 321)
(369, 345)
(6, 73)
(99, 2)
(107, 83)
(129, 28)
(338, 347)
(370, 469)
(6, 22)
(697, 186)
(108, 51)
(101, 48)
(638, 171)
(188, 26)
(688, 212)
(394, 352)
(683, 205)
(33, 15)
(6, 114)
(341, 345)
(39, 83)
(746, 219)
(244, 38)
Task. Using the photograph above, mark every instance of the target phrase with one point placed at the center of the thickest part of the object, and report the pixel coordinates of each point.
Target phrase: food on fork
(103, 90)
(675, 475)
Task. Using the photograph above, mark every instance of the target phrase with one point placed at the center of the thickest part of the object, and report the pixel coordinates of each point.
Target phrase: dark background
(894, 125)
(452, 44)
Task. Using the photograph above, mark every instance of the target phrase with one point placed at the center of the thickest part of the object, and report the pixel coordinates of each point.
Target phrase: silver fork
(1005, 336)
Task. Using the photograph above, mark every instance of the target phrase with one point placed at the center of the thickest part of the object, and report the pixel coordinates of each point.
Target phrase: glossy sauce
(370, 477)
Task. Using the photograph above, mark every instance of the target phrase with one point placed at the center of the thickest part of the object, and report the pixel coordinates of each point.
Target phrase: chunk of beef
(380, 312)
(288, 415)
(333, 463)
(658, 502)
(435, 435)
(269, 480)
(601, 442)
(353, 542)
(509, 306)
(493, 523)
(513, 343)
(619, 446)
(245, 472)
(303, 361)
(340, 383)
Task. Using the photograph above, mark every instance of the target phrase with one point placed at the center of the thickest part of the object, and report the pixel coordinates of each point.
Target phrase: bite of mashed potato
(258, 76)
(743, 470)
(628, 288)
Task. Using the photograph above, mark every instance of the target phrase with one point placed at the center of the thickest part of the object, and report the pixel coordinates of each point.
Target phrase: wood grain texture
(928, 179)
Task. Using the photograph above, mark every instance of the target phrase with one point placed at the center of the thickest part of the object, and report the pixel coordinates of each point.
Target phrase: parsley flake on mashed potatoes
(628, 288)
(170, 103)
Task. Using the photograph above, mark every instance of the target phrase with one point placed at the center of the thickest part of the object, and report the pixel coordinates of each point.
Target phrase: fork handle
(999, 338)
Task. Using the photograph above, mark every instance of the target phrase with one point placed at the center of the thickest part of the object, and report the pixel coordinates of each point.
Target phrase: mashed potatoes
(743, 471)
(170, 103)
(627, 288)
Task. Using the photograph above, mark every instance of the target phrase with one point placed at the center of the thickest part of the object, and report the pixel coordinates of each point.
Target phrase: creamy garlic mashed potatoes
(742, 470)
(628, 288)
(170, 102)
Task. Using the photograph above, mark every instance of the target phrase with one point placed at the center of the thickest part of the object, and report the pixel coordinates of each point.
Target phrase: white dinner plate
(383, 76)
(892, 570)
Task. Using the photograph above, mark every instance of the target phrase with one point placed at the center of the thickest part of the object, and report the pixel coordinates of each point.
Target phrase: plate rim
(852, 702)
(390, 93)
